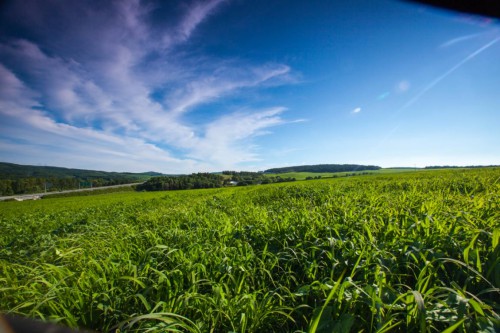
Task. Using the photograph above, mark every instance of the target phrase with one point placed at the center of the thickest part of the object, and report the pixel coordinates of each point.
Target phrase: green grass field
(304, 175)
(300, 175)
(405, 252)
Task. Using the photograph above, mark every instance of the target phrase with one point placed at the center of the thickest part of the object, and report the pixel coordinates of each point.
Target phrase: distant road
(21, 197)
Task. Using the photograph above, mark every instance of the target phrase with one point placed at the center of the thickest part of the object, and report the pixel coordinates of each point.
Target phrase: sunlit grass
(416, 252)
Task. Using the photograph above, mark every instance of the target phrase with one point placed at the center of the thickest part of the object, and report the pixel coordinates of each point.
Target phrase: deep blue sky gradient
(178, 87)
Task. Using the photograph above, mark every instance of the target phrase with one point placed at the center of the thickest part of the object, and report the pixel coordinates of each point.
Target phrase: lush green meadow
(406, 252)
(304, 175)
(300, 175)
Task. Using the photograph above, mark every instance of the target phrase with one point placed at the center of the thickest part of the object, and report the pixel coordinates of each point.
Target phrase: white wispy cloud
(125, 95)
(30, 134)
(229, 137)
(224, 80)
(197, 14)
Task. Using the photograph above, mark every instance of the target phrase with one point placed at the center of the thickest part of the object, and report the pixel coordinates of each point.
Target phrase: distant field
(389, 252)
(304, 175)
(300, 175)
(397, 170)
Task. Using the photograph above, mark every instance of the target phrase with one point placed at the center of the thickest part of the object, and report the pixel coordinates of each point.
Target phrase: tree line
(242, 178)
(209, 180)
(26, 179)
(40, 185)
(185, 182)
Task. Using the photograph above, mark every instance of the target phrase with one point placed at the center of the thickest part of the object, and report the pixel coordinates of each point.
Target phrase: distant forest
(323, 168)
(25, 179)
(194, 181)
(209, 180)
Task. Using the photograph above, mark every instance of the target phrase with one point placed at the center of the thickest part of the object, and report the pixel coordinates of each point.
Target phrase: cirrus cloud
(114, 90)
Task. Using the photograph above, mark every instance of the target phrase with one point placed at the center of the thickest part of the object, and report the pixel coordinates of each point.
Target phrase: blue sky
(188, 86)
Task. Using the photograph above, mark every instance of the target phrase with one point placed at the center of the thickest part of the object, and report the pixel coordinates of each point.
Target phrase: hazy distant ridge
(16, 171)
(24, 179)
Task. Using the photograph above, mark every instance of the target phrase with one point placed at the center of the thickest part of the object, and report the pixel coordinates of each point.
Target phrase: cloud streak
(195, 16)
(437, 80)
(460, 39)
(130, 95)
